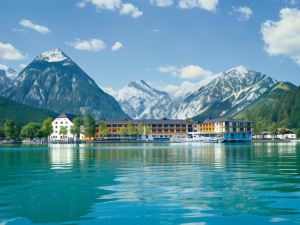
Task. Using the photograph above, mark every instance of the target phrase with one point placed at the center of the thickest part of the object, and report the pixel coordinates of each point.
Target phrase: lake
(189, 184)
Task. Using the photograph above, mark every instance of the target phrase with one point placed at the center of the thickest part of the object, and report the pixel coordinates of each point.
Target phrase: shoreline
(144, 142)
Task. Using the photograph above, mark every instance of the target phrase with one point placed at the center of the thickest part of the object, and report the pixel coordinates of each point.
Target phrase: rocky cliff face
(227, 94)
(141, 101)
(53, 81)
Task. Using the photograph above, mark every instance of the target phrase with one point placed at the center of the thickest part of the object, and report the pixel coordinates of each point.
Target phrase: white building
(265, 135)
(64, 120)
(286, 134)
(283, 133)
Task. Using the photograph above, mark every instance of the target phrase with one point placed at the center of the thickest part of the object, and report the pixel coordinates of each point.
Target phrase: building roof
(67, 115)
(285, 132)
(146, 121)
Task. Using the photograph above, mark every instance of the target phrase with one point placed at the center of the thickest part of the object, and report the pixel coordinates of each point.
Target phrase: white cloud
(113, 5)
(244, 12)
(282, 37)
(194, 72)
(209, 5)
(169, 69)
(117, 46)
(81, 4)
(94, 45)
(186, 87)
(107, 4)
(162, 3)
(153, 30)
(9, 52)
(186, 72)
(176, 90)
(130, 9)
(39, 28)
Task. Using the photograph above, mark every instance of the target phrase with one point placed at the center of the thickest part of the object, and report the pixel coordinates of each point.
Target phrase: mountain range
(139, 100)
(54, 82)
(226, 95)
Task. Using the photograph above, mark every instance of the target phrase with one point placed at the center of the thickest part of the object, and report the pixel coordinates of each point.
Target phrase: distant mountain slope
(280, 107)
(7, 75)
(141, 101)
(22, 114)
(226, 94)
(53, 81)
(279, 89)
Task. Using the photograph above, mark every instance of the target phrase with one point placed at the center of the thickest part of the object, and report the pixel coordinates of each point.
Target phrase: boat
(198, 137)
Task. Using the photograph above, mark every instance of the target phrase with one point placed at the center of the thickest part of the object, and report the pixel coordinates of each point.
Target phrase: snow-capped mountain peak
(7, 72)
(53, 55)
(223, 94)
(48, 83)
(138, 97)
(144, 87)
(140, 84)
(238, 70)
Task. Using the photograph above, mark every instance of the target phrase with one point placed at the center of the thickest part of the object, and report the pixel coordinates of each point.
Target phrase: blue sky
(169, 44)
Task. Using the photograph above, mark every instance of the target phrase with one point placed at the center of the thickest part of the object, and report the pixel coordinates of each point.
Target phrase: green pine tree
(89, 126)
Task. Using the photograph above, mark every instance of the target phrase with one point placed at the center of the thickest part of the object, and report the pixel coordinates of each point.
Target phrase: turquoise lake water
(190, 184)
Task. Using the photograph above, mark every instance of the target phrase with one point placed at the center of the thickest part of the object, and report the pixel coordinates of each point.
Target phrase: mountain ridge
(53, 81)
(279, 107)
(225, 94)
(138, 96)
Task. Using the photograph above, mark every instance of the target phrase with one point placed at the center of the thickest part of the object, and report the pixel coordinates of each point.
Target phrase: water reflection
(150, 184)
(62, 156)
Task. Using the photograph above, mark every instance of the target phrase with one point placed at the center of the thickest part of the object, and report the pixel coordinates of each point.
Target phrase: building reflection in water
(192, 181)
(62, 156)
(201, 178)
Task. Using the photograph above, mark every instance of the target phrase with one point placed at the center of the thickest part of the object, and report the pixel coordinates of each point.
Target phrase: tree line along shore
(10, 130)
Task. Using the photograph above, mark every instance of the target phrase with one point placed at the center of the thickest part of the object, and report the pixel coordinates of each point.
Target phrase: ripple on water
(151, 184)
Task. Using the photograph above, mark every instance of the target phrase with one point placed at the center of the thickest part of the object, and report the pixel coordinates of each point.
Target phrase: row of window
(66, 122)
(234, 124)
(156, 130)
(61, 126)
(55, 137)
(153, 125)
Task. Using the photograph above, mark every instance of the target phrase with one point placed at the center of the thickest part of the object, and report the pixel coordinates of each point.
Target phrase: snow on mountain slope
(7, 75)
(234, 90)
(8, 72)
(222, 94)
(53, 55)
(138, 97)
(53, 81)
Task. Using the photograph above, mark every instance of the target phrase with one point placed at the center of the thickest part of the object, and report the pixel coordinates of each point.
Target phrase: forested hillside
(279, 108)
(21, 113)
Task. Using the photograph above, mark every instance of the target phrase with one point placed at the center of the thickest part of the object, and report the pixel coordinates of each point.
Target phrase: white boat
(197, 137)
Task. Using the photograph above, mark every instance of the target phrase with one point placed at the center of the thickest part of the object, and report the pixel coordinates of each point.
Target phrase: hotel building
(150, 128)
(156, 130)
(229, 129)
